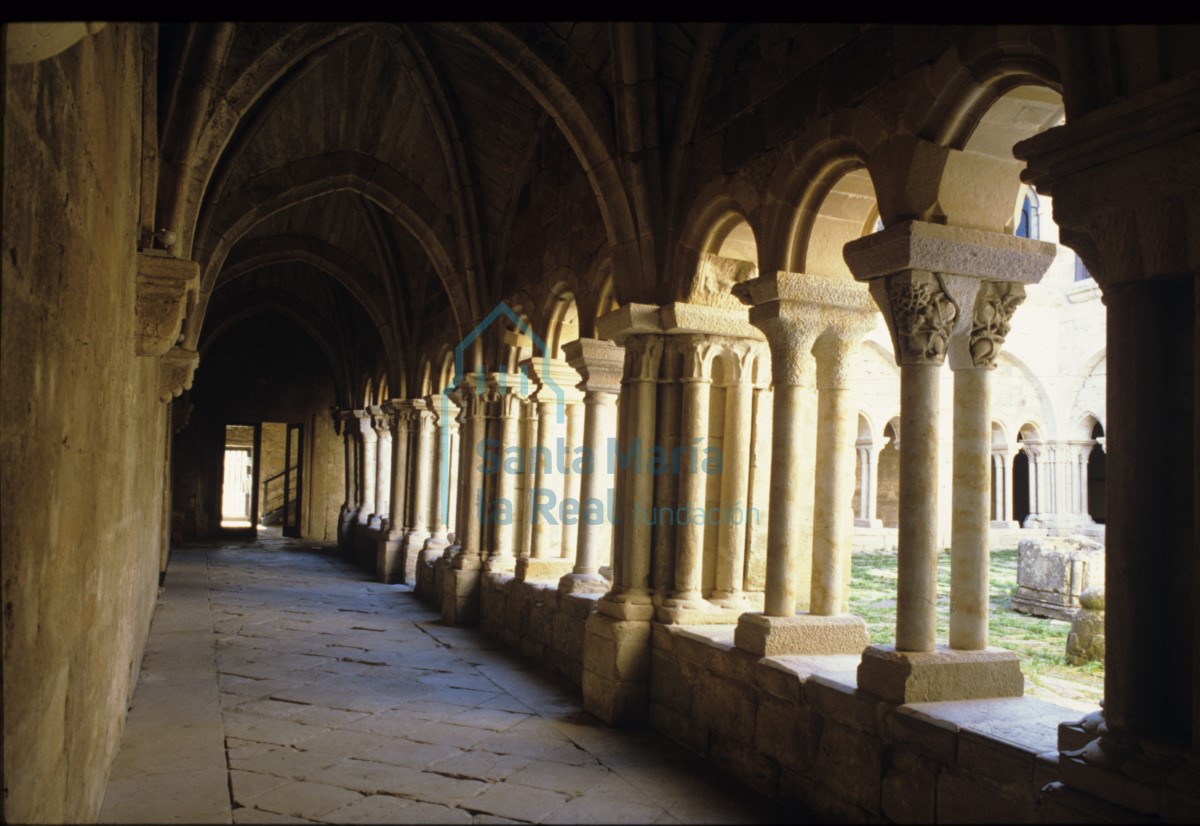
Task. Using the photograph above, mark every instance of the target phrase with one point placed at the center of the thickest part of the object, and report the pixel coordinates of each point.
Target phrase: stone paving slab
(324, 696)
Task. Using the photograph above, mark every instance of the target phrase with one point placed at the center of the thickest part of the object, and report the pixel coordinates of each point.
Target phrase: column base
(389, 560)
(696, 612)
(766, 636)
(945, 674)
(638, 607)
(616, 669)
(529, 569)
(573, 583)
(460, 596)
(500, 564)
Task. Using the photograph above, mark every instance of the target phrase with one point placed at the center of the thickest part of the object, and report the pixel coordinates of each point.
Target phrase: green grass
(1040, 643)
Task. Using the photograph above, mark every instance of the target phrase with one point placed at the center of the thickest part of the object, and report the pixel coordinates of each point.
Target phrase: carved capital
(994, 306)
(737, 361)
(166, 287)
(177, 367)
(600, 362)
(643, 355)
(922, 315)
(696, 357)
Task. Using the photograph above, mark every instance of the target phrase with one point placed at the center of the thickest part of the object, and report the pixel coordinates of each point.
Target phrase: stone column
(383, 469)
(697, 353)
(366, 426)
(460, 581)
(421, 501)
(571, 480)
(921, 275)
(528, 433)
(865, 518)
(970, 509)
(738, 362)
(555, 395)
(793, 310)
(616, 663)
(600, 363)
(837, 426)
(503, 510)
(443, 478)
(346, 518)
(389, 563)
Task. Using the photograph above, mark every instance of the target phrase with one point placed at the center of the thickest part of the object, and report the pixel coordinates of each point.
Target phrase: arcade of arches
(612, 339)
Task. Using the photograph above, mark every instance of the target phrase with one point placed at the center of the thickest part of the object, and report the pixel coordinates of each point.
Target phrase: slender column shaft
(399, 505)
(735, 482)
(832, 519)
(969, 559)
(383, 497)
(916, 595)
(369, 469)
(595, 536)
(506, 483)
(470, 534)
(348, 445)
(689, 547)
(666, 485)
(784, 526)
(642, 365)
(571, 480)
(546, 540)
(423, 476)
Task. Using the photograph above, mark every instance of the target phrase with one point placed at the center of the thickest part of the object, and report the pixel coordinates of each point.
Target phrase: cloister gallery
(614, 340)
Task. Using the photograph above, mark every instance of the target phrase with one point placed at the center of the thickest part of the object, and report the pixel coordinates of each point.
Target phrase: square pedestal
(460, 596)
(616, 669)
(767, 636)
(945, 674)
(543, 570)
(389, 561)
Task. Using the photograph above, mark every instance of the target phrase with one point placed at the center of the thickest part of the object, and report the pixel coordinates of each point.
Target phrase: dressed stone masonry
(934, 284)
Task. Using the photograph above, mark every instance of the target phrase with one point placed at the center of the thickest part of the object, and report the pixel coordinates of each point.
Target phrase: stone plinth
(1053, 572)
(706, 613)
(768, 636)
(529, 569)
(460, 596)
(389, 560)
(944, 674)
(616, 667)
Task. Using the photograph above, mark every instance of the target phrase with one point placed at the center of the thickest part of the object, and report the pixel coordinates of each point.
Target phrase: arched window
(1028, 226)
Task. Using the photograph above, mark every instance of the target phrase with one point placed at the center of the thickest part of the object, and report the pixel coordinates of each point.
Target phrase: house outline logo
(548, 381)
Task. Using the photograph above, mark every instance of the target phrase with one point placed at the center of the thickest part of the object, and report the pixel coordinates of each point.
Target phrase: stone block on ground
(1053, 572)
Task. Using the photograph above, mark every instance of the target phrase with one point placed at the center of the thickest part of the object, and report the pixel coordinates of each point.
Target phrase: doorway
(239, 494)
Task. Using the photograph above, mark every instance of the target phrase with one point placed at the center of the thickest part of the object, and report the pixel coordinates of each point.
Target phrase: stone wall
(537, 620)
(797, 729)
(83, 442)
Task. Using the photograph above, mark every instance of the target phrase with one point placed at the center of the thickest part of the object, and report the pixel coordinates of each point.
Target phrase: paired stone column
(367, 470)
(421, 501)
(616, 662)
(460, 581)
(443, 477)
(600, 363)
(346, 423)
(389, 563)
(696, 353)
(922, 276)
(793, 310)
(381, 420)
(738, 367)
(504, 511)
(555, 395)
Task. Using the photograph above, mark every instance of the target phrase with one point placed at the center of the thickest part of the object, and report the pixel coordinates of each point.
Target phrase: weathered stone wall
(324, 481)
(83, 439)
(813, 739)
(537, 620)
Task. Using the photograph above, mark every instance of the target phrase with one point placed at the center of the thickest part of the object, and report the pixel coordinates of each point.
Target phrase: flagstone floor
(282, 685)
